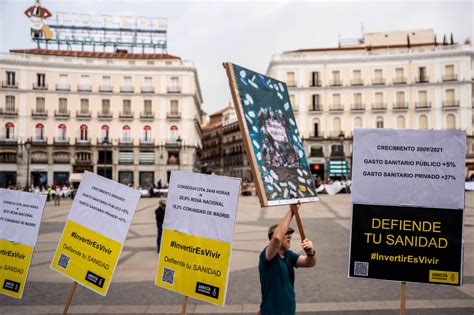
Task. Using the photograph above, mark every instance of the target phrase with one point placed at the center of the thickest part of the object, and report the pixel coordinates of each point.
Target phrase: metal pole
(27, 169)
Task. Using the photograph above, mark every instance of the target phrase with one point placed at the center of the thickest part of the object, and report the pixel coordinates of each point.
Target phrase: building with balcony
(130, 117)
(402, 79)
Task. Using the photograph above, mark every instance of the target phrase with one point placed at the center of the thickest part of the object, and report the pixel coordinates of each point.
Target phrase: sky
(249, 33)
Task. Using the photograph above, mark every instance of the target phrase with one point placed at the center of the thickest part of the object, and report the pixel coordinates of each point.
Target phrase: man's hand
(308, 247)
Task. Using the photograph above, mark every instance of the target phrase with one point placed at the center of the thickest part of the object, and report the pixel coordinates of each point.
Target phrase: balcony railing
(316, 135)
(291, 83)
(61, 159)
(173, 115)
(422, 79)
(104, 115)
(357, 82)
(104, 141)
(147, 115)
(357, 106)
(400, 106)
(450, 77)
(62, 114)
(315, 108)
(451, 104)
(39, 141)
(105, 88)
(378, 81)
(63, 87)
(40, 159)
(146, 141)
(83, 162)
(336, 108)
(315, 83)
(379, 106)
(126, 115)
(9, 111)
(126, 88)
(422, 105)
(125, 141)
(148, 89)
(399, 80)
(36, 86)
(9, 85)
(80, 141)
(11, 140)
(84, 87)
(174, 89)
(80, 114)
(61, 141)
(335, 82)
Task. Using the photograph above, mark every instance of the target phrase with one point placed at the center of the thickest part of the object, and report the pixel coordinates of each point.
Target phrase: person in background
(57, 196)
(276, 268)
(48, 193)
(160, 217)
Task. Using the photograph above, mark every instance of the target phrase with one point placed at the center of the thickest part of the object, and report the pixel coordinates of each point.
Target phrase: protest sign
(271, 138)
(95, 231)
(20, 219)
(408, 201)
(197, 235)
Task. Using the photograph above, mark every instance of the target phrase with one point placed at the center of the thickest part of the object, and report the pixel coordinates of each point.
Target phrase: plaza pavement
(324, 289)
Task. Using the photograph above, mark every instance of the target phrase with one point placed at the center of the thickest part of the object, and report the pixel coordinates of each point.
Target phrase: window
(147, 107)
(401, 122)
(379, 122)
(63, 105)
(126, 157)
(63, 79)
(450, 122)
(173, 133)
(10, 103)
(84, 106)
(147, 157)
(148, 81)
(83, 133)
(40, 105)
(422, 74)
(127, 81)
(40, 80)
(9, 131)
(316, 151)
(358, 122)
(127, 107)
(62, 131)
(400, 99)
(356, 77)
(39, 132)
(315, 104)
(399, 76)
(147, 133)
(378, 76)
(126, 134)
(11, 81)
(83, 156)
(106, 80)
(290, 79)
(106, 107)
(357, 100)
(174, 84)
(450, 95)
(293, 100)
(104, 134)
(423, 122)
(449, 73)
(336, 78)
(336, 126)
(84, 80)
(316, 129)
(315, 79)
(379, 100)
(336, 101)
(174, 107)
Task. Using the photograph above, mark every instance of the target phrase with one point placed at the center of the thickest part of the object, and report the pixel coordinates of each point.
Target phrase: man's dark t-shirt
(277, 278)
(160, 216)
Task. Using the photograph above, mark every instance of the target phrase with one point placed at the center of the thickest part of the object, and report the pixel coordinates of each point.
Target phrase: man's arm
(309, 260)
(277, 238)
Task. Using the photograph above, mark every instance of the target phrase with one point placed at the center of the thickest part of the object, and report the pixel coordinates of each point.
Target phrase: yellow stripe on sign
(87, 257)
(439, 276)
(193, 266)
(15, 262)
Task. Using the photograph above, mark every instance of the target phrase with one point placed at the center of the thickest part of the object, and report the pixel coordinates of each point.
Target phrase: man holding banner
(277, 276)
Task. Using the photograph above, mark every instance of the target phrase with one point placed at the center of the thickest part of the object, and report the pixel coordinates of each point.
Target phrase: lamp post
(28, 148)
(179, 143)
(105, 141)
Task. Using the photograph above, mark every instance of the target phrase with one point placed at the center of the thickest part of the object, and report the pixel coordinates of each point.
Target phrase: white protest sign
(423, 168)
(104, 206)
(20, 216)
(202, 205)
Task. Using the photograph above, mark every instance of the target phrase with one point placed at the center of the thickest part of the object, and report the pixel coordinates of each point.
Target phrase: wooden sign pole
(183, 307)
(69, 298)
(403, 297)
(294, 208)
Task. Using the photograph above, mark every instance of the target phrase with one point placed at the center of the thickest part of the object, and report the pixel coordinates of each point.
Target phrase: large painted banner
(95, 231)
(197, 235)
(408, 202)
(271, 138)
(20, 218)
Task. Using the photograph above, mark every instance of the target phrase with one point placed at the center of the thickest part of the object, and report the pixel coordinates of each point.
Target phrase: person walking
(160, 217)
(57, 196)
(276, 268)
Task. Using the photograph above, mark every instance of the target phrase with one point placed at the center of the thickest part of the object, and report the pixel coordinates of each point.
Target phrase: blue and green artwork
(273, 138)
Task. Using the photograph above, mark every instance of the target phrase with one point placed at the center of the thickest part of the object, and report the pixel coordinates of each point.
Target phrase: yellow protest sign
(87, 257)
(15, 260)
(194, 266)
